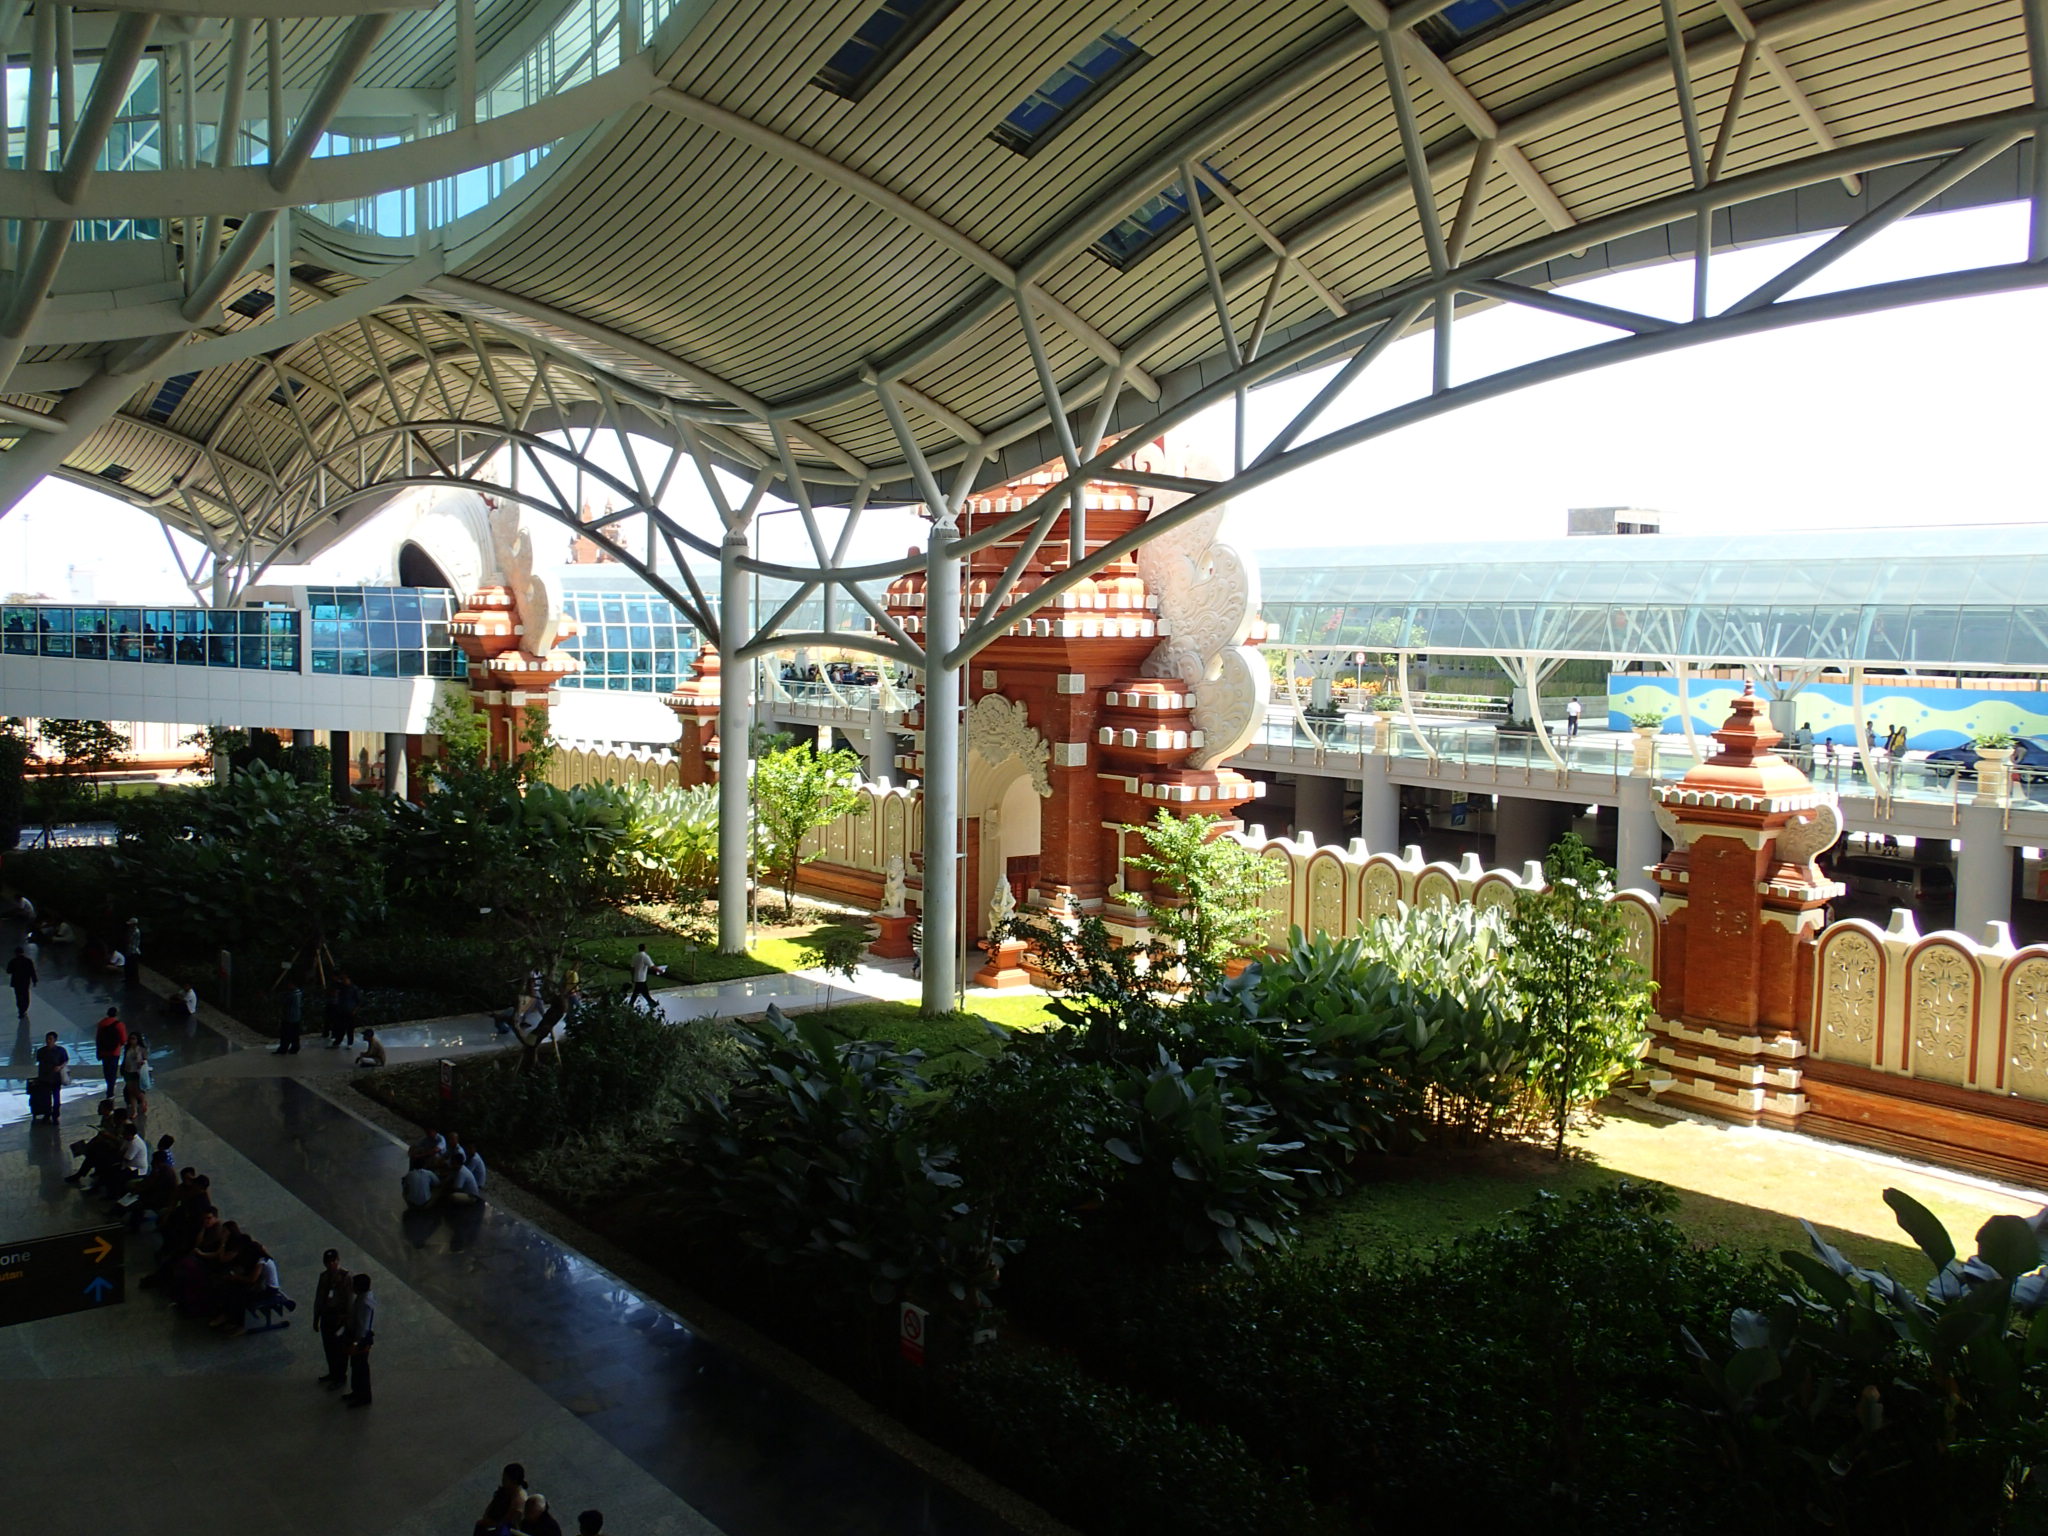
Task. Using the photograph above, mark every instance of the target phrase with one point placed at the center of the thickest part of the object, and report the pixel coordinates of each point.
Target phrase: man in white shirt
(643, 967)
(1571, 718)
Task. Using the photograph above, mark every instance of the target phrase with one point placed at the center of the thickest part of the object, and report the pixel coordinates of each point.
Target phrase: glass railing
(1286, 739)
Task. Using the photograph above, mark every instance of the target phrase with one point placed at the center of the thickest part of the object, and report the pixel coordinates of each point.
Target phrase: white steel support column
(735, 745)
(1379, 809)
(1639, 841)
(1983, 869)
(942, 684)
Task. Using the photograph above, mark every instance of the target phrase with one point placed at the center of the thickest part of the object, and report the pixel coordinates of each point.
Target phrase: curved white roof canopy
(706, 241)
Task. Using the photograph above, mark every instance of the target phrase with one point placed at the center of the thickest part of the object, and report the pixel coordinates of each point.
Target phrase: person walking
(291, 1018)
(1572, 711)
(136, 1077)
(330, 1317)
(22, 974)
(109, 1042)
(342, 1004)
(362, 1337)
(643, 967)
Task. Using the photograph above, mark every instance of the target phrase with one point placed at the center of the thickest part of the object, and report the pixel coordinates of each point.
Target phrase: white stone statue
(892, 887)
(1001, 908)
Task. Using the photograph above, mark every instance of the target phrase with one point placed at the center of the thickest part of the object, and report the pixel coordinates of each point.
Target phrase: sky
(1926, 415)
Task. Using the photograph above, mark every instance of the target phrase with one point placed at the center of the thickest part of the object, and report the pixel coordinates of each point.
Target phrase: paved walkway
(496, 1342)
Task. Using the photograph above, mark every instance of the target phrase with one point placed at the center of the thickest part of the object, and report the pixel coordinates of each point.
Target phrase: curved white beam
(337, 178)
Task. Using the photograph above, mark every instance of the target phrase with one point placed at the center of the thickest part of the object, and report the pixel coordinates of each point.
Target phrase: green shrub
(1526, 1375)
(1116, 1462)
(823, 1153)
(1415, 1018)
(1855, 1403)
(622, 1071)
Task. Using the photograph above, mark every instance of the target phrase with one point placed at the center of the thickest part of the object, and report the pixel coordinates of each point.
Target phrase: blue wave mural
(1933, 717)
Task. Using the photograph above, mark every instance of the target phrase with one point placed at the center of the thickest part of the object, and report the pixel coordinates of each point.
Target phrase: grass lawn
(1740, 1187)
(947, 1040)
(606, 960)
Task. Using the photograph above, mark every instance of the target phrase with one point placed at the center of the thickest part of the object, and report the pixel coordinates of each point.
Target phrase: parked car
(2027, 752)
(1901, 882)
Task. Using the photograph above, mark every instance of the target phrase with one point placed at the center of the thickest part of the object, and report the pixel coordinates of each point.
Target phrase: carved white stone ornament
(536, 591)
(1809, 834)
(1208, 597)
(893, 894)
(999, 729)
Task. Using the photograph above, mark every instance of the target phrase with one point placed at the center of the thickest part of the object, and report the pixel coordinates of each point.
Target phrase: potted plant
(1994, 762)
(1383, 707)
(1646, 723)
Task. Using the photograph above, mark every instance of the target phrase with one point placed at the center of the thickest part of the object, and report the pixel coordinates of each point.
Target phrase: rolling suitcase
(42, 1100)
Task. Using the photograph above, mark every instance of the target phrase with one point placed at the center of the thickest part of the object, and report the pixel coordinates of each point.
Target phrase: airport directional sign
(50, 1276)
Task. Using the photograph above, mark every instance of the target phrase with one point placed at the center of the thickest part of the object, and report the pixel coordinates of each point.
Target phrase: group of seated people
(444, 1170)
(516, 1510)
(115, 1161)
(208, 1267)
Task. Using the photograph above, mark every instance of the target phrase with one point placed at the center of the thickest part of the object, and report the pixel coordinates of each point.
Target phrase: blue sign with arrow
(50, 1276)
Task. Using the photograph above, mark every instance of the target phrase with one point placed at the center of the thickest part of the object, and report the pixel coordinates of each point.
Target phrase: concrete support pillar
(302, 738)
(395, 774)
(881, 754)
(1983, 870)
(338, 763)
(1524, 829)
(1319, 808)
(1639, 841)
(735, 745)
(942, 698)
(1379, 811)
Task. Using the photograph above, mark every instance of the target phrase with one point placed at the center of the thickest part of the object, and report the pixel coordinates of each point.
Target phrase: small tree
(796, 792)
(1208, 905)
(835, 951)
(85, 746)
(1586, 1001)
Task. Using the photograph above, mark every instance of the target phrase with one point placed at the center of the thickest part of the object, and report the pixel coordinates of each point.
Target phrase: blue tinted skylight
(1146, 225)
(1060, 98)
(879, 44)
(1466, 19)
(167, 398)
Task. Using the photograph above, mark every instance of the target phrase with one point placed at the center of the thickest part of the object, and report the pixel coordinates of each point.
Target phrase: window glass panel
(326, 662)
(355, 663)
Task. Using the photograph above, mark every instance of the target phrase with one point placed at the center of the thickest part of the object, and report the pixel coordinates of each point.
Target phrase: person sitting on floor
(427, 1151)
(374, 1054)
(420, 1188)
(458, 1183)
(467, 1155)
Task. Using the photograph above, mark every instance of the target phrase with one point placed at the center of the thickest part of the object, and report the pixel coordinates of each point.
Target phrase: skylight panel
(1061, 97)
(879, 44)
(1146, 226)
(255, 303)
(168, 397)
(1467, 20)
